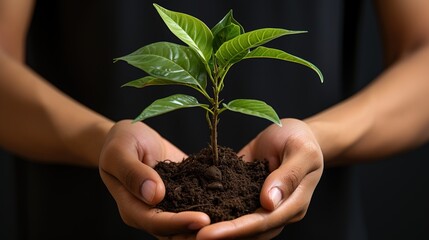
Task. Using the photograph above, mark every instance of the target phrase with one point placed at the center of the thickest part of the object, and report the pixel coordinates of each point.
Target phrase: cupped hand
(296, 165)
(129, 154)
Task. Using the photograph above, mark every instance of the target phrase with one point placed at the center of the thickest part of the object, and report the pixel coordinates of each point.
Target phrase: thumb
(279, 185)
(144, 182)
(138, 178)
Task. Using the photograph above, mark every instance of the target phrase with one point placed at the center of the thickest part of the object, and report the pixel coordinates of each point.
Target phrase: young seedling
(207, 58)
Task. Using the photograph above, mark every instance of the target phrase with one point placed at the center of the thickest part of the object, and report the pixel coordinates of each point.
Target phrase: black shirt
(72, 44)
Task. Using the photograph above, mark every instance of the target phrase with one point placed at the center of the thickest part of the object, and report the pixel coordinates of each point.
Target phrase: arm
(126, 167)
(40, 122)
(37, 120)
(14, 20)
(391, 114)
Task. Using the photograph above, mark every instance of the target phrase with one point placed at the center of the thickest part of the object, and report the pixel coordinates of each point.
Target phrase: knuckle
(291, 180)
(303, 145)
(312, 149)
(131, 181)
(306, 149)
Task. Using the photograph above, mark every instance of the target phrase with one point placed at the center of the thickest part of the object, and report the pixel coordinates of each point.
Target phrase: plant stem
(215, 113)
(214, 123)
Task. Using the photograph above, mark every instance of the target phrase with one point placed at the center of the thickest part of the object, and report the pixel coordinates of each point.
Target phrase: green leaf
(235, 49)
(190, 30)
(153, 81)
(148, 81)
(226, 29)
(226, 21)
(169, 61)
(264, 52)
(168, 104)
(225, 34)
(255, 108)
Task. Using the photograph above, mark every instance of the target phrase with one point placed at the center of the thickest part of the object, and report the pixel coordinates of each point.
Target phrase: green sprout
(208, 56)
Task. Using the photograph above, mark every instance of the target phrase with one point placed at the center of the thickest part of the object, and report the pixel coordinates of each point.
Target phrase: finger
(265, 223)
(190, 236)
(140, 179)
(265, 235)
(252, 226)
(296, 205)
(144, 142)
(139, 215)
(224, 235)
(297, 163)
(268, 145)
(129, 145)
(173, 153)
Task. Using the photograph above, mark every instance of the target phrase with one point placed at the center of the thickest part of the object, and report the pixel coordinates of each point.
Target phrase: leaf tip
(296, 31)
(159, 8)
(321, 77)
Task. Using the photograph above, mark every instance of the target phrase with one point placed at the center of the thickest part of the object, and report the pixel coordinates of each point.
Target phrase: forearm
(389, 116)
(39, 122)
(15, 17)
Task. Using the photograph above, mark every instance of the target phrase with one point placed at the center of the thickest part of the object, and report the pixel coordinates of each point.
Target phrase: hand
(126, 166)
(296, 162)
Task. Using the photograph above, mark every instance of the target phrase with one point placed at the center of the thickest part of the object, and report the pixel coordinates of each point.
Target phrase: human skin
(43, 124)
(365, 127)
(126, 167)
(38, 121)
(370, 123)
(387, 117)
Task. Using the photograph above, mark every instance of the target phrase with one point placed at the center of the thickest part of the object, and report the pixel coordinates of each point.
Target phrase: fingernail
(148, 191)
(275, 196)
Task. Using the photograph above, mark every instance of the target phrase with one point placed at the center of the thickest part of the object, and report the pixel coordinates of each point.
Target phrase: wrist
(329, 139)
(342, 130)
(88, 143)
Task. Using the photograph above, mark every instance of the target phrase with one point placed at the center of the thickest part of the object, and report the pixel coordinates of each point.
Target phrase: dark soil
(224, 192)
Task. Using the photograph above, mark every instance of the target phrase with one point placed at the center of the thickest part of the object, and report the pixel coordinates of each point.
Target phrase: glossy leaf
(264, 52)
(168, 104)
(226, 29)
(169, 61)
(190, 30)
(227, 20)
(235, 49)
(225, 34)
(148, 81)
(255, 108)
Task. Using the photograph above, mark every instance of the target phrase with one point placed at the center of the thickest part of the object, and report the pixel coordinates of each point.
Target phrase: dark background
(72, 44)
